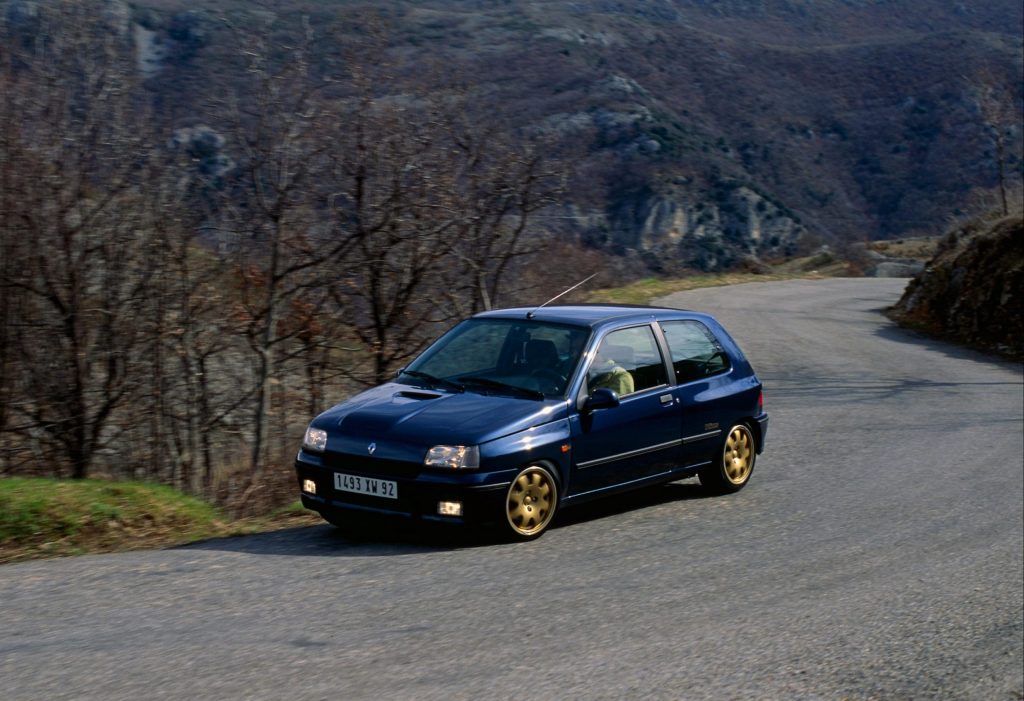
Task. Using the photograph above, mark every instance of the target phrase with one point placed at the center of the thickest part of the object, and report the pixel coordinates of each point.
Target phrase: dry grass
(921, 248)
(648, 289)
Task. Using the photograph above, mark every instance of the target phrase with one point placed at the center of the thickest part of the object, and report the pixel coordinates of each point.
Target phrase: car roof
(593, 315)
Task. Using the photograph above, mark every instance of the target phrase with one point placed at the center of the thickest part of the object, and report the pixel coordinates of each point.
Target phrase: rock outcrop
(702, 227)
(972, 291)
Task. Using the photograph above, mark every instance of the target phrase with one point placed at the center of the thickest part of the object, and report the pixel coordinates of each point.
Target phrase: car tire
(531, 502)
(733, 464)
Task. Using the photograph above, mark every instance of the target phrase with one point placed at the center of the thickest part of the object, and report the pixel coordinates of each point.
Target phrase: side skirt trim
(667, 476)
(702, 436)
(629, 454)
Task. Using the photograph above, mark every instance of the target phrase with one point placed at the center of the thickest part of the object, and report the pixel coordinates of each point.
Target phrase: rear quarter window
(696, 353)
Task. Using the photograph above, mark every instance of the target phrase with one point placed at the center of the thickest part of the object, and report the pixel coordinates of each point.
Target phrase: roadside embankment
(49, 518)
(972, 291)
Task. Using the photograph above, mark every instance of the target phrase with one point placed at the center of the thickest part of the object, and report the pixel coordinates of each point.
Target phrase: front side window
(627, 361)
(696, 353)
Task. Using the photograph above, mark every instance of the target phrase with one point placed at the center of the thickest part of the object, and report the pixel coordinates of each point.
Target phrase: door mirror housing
(602, 398)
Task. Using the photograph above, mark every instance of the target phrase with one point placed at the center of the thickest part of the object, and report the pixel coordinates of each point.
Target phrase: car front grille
(372, 467)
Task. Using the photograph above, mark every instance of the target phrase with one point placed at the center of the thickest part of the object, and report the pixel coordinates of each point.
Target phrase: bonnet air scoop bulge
(414, 395)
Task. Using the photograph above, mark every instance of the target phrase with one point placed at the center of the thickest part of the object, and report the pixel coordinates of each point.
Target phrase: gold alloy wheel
(531, 502)
(738, 456)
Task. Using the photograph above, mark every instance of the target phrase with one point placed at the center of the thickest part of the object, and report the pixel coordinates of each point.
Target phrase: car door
(702, 370)
(639, 437)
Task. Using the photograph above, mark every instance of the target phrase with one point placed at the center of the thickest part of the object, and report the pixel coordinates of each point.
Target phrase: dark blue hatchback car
(514, 414)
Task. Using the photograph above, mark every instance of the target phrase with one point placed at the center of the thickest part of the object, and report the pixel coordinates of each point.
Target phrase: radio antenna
(530, 314)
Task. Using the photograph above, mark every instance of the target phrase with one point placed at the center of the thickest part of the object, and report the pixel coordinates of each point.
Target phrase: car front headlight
(455, 457)
(315, 439)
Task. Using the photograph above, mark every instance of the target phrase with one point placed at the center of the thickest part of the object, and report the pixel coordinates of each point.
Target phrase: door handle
(666, 398)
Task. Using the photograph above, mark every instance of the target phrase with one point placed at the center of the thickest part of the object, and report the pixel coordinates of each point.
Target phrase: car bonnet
(412, 415)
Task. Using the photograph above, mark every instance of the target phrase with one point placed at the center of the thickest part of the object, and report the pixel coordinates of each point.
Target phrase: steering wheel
(552, 379)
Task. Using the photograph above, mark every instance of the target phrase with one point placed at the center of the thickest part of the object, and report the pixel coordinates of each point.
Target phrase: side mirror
(602, 398)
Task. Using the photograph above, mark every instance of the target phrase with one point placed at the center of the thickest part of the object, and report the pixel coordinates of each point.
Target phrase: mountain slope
(700, 132)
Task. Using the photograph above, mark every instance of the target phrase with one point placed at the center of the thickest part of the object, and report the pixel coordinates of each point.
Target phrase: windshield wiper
(495, 384)
(434, 380)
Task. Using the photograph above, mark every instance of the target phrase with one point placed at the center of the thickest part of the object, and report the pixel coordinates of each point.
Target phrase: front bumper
(481, 494)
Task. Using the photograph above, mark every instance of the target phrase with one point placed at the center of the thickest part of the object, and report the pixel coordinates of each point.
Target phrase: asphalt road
(875, 554)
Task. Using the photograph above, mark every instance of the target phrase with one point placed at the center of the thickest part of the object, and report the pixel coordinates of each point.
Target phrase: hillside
(699, 132)
(219, 220)
(972, 291)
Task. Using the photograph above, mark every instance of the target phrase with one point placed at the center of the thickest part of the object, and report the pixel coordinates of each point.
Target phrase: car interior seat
(541, 354)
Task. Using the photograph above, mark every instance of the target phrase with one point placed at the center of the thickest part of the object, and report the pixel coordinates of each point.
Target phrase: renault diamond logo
(371, 448)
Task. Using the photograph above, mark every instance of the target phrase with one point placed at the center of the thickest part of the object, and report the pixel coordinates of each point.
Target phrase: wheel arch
(755, 430)
(552, 466)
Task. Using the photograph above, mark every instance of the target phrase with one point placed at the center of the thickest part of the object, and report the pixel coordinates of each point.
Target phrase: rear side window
(696, 353)
(627, 361)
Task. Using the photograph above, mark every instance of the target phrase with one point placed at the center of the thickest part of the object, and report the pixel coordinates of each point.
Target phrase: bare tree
(503, 179)
(279, 121)
(394, 198)
(194, 384)
(439, 202)
(9, 249)
(1000, 115)
(75, 160)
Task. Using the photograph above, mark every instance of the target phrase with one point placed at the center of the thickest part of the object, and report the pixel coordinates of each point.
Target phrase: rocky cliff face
(705, 228)
(973, 290)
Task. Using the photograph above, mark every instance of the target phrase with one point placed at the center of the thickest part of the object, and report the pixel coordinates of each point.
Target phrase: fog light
(309, 486)
(449, 508)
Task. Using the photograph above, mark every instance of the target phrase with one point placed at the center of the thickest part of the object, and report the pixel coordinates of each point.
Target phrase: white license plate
(365, 485)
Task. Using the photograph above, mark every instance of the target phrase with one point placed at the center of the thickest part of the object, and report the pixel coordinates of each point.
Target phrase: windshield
(503, 356)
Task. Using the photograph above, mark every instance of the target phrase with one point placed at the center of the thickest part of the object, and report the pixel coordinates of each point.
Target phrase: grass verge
(51, 518)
